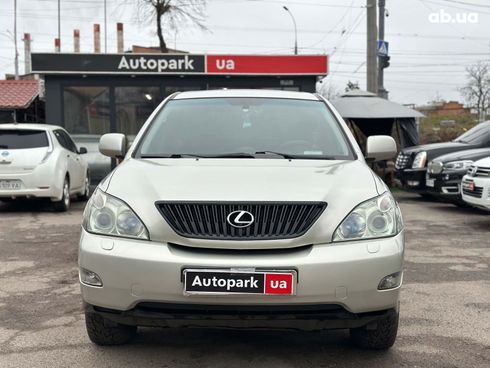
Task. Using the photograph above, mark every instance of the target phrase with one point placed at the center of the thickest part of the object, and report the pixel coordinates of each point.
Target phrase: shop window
(86, 110)
(133, 106)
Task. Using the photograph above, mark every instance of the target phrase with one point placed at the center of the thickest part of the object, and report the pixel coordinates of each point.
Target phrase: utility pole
(59, 25)
(15, 42)
(383, 61)
(371, 47)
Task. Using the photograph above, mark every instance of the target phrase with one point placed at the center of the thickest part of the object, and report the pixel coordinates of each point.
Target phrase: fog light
(390, 281)
(413, 183)
(90, 278)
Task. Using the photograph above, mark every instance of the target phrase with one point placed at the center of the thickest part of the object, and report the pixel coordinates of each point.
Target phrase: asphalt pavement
(445, 304)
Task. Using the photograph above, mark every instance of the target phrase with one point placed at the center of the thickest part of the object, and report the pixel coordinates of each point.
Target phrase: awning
(366, 105)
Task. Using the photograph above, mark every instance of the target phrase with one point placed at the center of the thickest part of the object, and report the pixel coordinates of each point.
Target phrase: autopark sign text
(180, 64)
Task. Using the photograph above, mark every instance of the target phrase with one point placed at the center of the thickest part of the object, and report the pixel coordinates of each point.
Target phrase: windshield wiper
(191, 155)
(285, 155)
(172, 155)
(231, 155)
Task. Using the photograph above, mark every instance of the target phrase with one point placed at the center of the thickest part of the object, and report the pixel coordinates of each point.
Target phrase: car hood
(341, 184)
(473, 155)
(485, 162)
(437, 149)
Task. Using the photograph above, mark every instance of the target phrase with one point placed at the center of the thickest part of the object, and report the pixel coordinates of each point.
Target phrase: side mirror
(82, 151)
(380, 147)
(113, 145)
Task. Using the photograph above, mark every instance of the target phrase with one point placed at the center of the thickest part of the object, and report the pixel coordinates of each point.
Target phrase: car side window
(65, 140)
(72, 146)
(61, 138)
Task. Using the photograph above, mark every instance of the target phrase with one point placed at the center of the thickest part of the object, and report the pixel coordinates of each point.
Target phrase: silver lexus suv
(243, 209)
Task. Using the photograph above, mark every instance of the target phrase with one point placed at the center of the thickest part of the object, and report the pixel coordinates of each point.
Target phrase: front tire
(64, 204)
(381, 338)
(103, 332)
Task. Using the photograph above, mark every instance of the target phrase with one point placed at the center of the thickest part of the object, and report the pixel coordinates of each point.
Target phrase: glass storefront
(133, 106)
(86, 110)
(93, 110)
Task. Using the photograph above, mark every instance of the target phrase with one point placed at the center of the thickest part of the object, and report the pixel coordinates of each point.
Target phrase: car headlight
(378, 217)
(435, 167)
(458, 165)
(108, 215)
(420, 160)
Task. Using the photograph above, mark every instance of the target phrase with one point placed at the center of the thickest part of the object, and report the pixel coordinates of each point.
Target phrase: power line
(466, 3)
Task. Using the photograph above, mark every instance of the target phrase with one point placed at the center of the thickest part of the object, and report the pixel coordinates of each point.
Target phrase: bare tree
(477, 90)
(328, 90)
(351, 86)
(173, 14)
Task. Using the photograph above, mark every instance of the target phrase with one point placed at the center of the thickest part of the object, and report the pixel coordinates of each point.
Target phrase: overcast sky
(428, 53)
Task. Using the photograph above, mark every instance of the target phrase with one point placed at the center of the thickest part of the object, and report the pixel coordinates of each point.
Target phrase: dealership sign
(49, 63)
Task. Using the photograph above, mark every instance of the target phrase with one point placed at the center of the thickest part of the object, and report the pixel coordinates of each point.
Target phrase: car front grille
(483, 172)
(402, 161)
(271, 220)
(477, 192)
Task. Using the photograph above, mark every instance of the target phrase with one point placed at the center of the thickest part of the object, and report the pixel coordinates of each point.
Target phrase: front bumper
(346, 275)
(412, 179)
(482, 201)
(445, 185)
(303, 317)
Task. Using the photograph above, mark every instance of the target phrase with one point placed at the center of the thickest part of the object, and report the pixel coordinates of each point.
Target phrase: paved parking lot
(445, 307)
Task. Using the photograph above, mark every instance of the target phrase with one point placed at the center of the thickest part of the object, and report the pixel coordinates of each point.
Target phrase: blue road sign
(382, 48)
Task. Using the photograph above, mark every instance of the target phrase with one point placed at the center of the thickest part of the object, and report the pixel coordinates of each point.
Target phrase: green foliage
(431, 130)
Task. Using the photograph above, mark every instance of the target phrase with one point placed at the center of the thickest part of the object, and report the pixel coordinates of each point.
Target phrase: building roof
(366, 105)
(17, 94)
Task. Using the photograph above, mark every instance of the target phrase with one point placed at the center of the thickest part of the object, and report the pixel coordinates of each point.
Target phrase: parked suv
(41, 161)
(476, 184)
(411, 163)
(444, 173)
(243, 209)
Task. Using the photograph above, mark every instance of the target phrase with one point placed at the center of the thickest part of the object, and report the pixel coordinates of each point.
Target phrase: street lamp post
(295, 30)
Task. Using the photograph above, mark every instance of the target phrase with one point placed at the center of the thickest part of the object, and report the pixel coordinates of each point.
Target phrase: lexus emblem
(240, 218)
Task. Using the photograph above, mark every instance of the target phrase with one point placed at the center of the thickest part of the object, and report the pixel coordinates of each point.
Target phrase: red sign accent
(279, 283)
(265, 64)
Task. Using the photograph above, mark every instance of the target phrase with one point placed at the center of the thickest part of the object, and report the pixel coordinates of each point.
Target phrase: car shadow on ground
(263, 348)
(36, 205)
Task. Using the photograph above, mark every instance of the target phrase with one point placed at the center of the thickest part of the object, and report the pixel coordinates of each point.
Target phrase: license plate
(222, 282)
(430, 182)
(9, 184)
(469, 185)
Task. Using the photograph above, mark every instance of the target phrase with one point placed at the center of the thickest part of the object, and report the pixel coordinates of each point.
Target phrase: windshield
(245, 127)
(476, 135)
(20, 139)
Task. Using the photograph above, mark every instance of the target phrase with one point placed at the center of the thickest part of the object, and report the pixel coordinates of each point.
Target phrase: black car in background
(444, 173)
(411, 162)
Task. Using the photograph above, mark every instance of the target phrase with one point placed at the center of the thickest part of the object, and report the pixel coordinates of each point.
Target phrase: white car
(243, 209)
(41, 161)
(476, 184)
